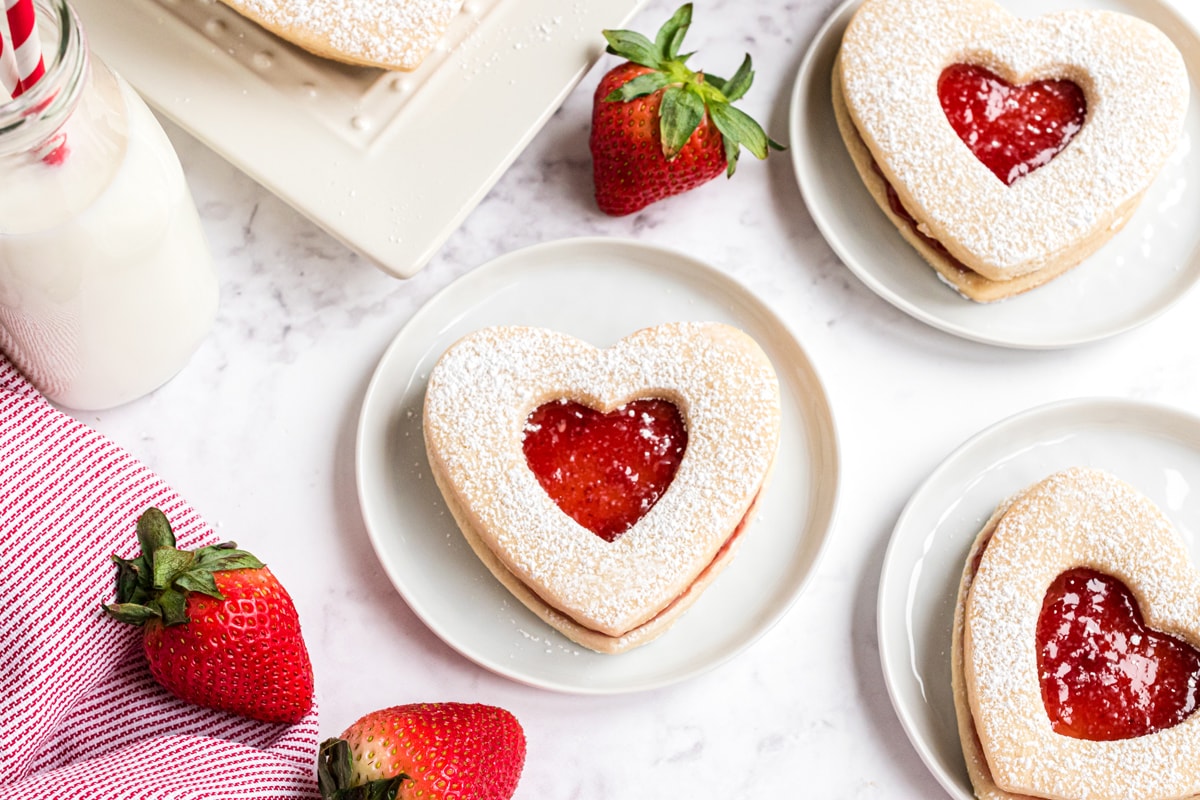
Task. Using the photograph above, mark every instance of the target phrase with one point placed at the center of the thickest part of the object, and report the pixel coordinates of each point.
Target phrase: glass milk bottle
(106, 282)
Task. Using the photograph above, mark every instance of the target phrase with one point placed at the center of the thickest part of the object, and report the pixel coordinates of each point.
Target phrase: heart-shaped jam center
(1013, 130)
(1104, 674)
(605, 471)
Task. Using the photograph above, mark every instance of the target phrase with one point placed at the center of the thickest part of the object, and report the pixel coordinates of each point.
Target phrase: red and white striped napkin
(80, 716)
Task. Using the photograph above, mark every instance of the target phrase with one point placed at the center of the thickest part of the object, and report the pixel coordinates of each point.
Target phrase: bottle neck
(28, 123)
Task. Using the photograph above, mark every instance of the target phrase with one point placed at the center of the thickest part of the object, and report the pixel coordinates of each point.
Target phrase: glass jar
(106, 282)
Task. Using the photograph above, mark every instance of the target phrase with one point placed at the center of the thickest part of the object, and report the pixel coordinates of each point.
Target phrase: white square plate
(388, 162)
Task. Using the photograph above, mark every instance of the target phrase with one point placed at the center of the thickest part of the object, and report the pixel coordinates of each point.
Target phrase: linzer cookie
(605, 488)
(1074, 651)
(390, 34)
(1006, 150)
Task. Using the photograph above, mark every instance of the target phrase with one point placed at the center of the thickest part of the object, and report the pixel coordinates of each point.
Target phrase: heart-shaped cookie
(607, 595)
(987, 238)
(390, 34)
(1077, 528)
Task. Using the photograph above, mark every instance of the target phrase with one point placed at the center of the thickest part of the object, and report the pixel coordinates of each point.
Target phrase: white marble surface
(258, 433)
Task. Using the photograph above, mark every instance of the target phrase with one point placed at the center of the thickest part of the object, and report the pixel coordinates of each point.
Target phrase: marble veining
(258, 432)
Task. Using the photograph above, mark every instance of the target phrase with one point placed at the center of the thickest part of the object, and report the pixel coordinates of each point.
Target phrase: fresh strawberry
(658, 128)
(219, 629)
(434, 751)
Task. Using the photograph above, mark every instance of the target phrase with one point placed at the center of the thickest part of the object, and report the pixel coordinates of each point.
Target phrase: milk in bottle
(106, 282)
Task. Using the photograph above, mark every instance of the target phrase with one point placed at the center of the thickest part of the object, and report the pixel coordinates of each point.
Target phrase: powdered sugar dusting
(481, 393)
(388, 33)
(1075, 518)
(1137, 90)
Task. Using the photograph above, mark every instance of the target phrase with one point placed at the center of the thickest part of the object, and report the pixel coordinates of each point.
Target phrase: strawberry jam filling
(900, 211)
(1104, 675)
(1013, 130)
(605, 471)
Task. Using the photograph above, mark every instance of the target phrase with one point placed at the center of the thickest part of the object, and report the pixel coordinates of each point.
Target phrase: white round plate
(1136, 276)
(1154, 449)
(598, 290)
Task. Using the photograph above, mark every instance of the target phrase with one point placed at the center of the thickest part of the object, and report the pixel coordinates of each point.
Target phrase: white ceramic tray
(1154, 449)
(390, 163)
(598, 290)
(1137, 275)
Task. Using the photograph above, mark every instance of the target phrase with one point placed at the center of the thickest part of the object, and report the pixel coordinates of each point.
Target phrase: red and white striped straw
(22, 25)
(8, 64)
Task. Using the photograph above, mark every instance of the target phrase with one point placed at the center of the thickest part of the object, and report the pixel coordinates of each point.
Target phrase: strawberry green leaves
(679, 116)
(640, 86)
(670, 35)
(635, 47)
(739, 129)
(738, 85)
(688, 96)
(156, 583)
(335, 776)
